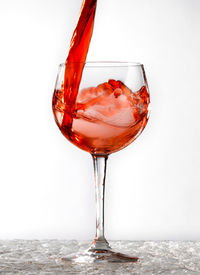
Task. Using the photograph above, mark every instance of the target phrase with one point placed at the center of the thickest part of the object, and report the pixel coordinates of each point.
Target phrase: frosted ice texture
(40, 257)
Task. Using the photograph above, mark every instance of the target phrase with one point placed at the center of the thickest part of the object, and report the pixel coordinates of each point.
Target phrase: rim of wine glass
(107, 64)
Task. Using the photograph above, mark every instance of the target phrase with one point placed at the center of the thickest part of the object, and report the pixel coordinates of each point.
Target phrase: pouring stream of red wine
(79, 46)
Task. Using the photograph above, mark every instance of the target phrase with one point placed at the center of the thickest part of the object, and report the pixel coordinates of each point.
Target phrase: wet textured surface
(40, 257)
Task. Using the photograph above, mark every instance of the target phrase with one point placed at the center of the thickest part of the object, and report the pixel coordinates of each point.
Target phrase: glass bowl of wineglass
(102, 115)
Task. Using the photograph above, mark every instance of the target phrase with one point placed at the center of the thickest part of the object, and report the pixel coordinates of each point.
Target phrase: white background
(46, 183)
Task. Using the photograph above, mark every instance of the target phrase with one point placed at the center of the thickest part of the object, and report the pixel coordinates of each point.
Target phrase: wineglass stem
(100, 162)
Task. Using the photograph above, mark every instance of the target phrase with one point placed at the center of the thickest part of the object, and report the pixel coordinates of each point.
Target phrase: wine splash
(106, 118)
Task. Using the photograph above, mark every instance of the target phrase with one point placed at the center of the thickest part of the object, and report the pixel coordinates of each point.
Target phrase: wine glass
(109, 111)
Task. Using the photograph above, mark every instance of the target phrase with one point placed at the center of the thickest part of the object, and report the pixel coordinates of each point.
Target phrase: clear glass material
(110, 110)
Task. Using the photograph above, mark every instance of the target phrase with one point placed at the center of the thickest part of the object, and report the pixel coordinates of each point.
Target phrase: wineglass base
(99, 256)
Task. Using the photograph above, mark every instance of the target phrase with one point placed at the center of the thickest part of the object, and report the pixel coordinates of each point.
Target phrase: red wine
(106, 118)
